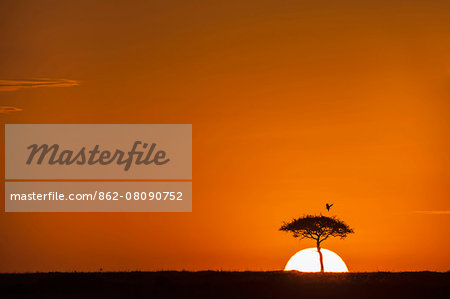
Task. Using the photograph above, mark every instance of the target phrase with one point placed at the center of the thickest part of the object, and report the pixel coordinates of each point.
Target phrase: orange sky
(293, 104)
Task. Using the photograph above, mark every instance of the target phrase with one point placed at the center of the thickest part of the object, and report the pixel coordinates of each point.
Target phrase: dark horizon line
(223, 271)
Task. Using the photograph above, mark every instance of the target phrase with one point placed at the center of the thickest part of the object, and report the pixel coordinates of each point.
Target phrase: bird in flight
(329, 206)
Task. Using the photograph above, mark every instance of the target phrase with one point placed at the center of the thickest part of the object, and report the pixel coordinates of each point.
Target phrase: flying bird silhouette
(329, 206)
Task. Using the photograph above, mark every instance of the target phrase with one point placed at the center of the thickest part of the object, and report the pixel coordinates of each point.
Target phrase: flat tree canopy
(318, 228)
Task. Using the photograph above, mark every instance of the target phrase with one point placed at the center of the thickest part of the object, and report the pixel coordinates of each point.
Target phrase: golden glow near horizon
(307, 260)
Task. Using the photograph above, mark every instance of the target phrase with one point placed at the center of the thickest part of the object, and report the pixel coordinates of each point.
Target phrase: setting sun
(307, 260)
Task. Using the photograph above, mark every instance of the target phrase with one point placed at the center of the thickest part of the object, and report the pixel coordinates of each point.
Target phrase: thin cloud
(8, 109)
(12, 85)
(438, 212)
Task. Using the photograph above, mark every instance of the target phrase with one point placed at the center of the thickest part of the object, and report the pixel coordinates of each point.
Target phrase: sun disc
(308, 260)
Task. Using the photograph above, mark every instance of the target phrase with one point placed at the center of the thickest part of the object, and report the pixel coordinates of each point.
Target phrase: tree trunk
(320, 257)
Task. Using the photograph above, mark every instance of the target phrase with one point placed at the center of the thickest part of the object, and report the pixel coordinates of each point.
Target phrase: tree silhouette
(318, 228)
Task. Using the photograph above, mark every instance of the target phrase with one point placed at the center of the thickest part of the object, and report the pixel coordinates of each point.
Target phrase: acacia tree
(318, 228)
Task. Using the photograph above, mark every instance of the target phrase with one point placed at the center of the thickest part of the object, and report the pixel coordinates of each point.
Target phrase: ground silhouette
(210, 284)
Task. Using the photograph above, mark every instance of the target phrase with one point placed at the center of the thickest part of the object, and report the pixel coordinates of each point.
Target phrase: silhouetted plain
(209, 284)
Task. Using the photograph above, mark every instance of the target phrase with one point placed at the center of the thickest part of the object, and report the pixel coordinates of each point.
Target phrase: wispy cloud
(11, 85)
(8, 109)
(438, 212)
